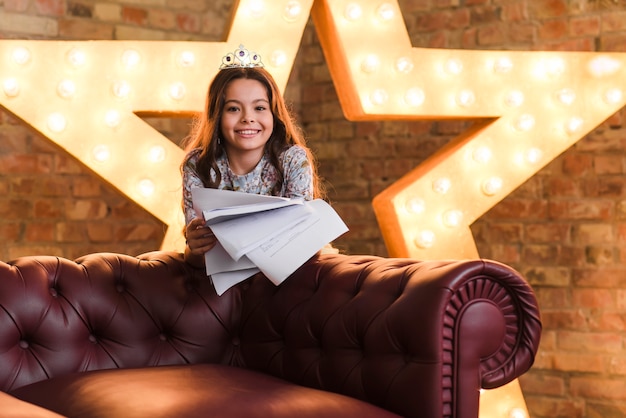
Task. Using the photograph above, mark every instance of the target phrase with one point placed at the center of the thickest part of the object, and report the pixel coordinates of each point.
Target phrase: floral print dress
(298, 181)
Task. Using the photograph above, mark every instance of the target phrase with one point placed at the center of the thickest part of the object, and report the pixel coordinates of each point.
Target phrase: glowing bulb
(452, 218)
(146, 187)
(370, 64)
(278, 58)
(186, 59)
(130, 58)
(21, 55)
(525, 122)
(425, 239)
(121, 89)
(454, 66)
(112, 118)
(11, 87)
(256, 7)
(414, 96)
(415, 206)
(574, 124)
(482, 154)
(442, 185)
(379, 97)
(492, 185)
(612, 96)
(292, 11)
(533, 156)
(353, 11)
(503, 65)
(465, 98)
(386, 12)
(602, 66)
(514, 98)
(553, 67)
(101, 153)
(177, 91)
(66, 89)
(404, 65)
(565, 96)
(56, 122)
(156, 154)
(76, 57)
(518, 413)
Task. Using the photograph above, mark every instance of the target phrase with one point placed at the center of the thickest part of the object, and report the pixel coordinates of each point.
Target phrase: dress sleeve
(190, 181)
(298, 181)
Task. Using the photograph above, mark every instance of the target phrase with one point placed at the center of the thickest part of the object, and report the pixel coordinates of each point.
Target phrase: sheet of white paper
(283, 254)
(224, 281)
(238, 236)
(207, 199)
(217, 260)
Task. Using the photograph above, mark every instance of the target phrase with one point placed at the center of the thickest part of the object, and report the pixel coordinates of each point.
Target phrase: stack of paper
(274, 235)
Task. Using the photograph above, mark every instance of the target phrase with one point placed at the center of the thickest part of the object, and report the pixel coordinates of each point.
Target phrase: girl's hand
(200, 238)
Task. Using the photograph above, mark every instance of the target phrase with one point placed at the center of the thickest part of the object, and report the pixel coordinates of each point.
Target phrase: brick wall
(565, 228)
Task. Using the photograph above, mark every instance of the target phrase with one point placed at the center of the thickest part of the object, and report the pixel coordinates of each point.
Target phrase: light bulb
(293, 10)
(186, 59)
(379, 97)
(492, 185)
(146, 187)
(404, 65)
(603, 65)
(278, 58)
(514, 98)
(353, 11)
(177, 91)
(415, 206)
(121, 89)
(533, 156)
(612, 96)
(452, 218)
(454, 66)
(57, 122)
(386, 12)
(574, 124)
(442, 185)
(101, 153)
(156, 154)
(565, 96)
(76, 57)
(112, 118)
(465, 98)
(518, 413)
(66, 89)
(370, 64)
(414, 96)
(503, 65)
(256, 7)
(425, 239)
(130, 58)
(553, 67)
(525, 122)
(482, 154)
(21, 55)
(11, 87)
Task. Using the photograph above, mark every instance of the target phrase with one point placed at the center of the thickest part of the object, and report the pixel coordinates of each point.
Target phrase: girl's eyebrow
(239, 101)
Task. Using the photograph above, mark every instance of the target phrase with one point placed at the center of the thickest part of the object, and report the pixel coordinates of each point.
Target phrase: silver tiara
(241, 58)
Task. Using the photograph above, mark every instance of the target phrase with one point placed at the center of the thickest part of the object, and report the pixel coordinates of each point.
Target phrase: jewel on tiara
(241, 58)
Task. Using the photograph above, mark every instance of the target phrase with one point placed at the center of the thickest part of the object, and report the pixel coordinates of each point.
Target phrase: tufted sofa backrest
(109, 311)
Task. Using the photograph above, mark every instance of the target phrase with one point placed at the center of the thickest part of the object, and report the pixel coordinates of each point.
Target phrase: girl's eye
(232, 109)
(261, 108)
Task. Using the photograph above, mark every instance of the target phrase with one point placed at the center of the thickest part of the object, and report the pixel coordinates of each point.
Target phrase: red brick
(584, 26)
(187, 22)
(598, 388)
(134, 15)
(50, 7)
(547, 8)
(554, 29)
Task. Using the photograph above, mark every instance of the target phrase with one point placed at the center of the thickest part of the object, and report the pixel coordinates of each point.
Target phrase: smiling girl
(245, 140)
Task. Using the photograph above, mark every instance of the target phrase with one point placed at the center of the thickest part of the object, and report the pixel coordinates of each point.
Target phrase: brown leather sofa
(111, 335)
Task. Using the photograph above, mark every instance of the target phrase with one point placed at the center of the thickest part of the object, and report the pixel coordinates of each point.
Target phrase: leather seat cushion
(200, 390)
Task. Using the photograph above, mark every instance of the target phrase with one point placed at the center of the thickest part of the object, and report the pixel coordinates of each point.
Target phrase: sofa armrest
(15, 408)
(417, 338)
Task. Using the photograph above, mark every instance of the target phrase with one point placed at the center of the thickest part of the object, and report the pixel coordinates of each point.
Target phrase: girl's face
(247, 120)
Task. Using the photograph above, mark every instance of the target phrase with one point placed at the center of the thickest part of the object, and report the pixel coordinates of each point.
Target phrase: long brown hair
(206, 128)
